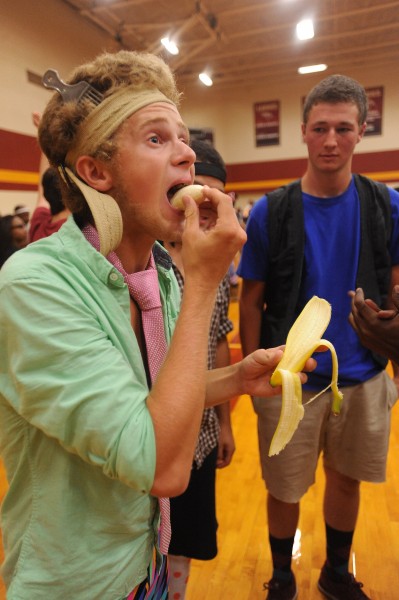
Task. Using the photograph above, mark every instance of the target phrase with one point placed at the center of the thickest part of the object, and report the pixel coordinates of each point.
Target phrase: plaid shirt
(220, 327)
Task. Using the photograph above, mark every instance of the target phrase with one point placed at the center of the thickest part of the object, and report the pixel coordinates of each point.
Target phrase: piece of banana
(195, 191)
(303, 339)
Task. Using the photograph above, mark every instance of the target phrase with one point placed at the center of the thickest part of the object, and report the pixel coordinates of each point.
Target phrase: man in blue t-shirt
(338, 232)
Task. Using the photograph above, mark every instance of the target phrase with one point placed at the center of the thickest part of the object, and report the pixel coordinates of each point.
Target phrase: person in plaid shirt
(193, 514)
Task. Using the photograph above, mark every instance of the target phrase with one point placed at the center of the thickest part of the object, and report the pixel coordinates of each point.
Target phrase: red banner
(375, 97)
(267, 123)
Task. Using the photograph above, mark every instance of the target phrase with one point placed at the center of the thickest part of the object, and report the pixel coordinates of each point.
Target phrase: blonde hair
(107, 73)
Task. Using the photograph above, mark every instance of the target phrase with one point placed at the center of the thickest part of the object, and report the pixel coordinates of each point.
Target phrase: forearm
(176, 401)
(251, 309)
(223, 413)
(223, 360)
(222, 353)
(250, 327)
(250, 334)
(226, 445)
(223, 384)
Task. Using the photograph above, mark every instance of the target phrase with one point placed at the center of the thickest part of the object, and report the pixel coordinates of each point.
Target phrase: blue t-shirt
(332, 243)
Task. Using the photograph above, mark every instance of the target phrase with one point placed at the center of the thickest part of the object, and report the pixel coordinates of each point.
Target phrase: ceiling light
(304, 29)
(312, 69)
(206, 80)
(170, 45)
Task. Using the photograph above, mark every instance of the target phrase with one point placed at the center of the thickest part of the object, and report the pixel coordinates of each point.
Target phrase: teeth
(175, 189)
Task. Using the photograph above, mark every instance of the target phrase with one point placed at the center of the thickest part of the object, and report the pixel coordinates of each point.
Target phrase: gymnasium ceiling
(239, 42)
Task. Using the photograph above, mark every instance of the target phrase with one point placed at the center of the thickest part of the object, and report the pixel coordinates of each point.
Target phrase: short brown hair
(335, 89)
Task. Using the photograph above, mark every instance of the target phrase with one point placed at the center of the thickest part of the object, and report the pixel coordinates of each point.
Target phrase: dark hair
(208, 155)
(335, 89)
(19, 208)
(6, 245)
(52, 190)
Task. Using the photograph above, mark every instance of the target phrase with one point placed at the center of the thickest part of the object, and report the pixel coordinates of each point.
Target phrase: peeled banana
(195, 191)
(303, 339)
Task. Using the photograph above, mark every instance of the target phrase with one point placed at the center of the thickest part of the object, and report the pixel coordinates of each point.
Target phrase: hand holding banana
(303, 339)
(209, 242)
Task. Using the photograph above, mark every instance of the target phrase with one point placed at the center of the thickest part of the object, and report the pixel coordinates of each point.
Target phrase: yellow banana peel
(303, 339)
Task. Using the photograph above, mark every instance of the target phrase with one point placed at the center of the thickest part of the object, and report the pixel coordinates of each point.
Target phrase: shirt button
(114, 277)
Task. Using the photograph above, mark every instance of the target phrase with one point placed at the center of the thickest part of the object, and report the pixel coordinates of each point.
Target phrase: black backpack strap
(376, 231)
(286, 251)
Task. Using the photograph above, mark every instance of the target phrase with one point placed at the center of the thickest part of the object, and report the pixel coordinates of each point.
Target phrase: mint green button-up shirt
(76, 437)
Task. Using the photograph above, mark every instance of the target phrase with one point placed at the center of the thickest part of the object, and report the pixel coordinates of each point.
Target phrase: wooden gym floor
(243, 562)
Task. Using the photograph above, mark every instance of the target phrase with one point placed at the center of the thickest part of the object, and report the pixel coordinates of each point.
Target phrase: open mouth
(175, 189)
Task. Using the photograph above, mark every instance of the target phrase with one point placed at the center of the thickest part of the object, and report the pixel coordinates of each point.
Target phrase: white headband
(105, 119)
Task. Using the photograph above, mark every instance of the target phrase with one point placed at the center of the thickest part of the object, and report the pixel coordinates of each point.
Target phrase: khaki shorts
(354, 443)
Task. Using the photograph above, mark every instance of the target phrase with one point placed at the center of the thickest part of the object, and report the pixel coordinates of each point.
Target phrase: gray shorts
(354, 443)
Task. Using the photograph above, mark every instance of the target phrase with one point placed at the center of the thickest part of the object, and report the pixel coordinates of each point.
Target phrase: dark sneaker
(340, 588)
(280, 590)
